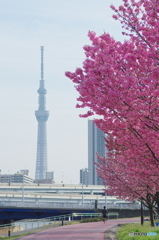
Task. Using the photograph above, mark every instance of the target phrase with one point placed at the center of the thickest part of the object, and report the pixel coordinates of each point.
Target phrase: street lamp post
(62, 177)
(23, 191)
(105, 198)
(82, 190)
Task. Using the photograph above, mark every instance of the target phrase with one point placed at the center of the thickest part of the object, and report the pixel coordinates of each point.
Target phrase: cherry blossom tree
(127, 182)
(119, 82)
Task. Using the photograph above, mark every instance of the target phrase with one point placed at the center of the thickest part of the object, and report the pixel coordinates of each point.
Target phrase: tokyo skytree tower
(41, 116)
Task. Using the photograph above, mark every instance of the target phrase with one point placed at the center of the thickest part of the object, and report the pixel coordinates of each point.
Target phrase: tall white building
(96, 144)
(84, 174)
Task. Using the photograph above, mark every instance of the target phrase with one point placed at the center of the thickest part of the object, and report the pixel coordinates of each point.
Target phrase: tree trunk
(157, 201)
(142, 214)
(151, 216)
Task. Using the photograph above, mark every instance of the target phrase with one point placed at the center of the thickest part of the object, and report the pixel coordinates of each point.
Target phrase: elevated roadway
(9, 214)
(52, 188)
(56, 195)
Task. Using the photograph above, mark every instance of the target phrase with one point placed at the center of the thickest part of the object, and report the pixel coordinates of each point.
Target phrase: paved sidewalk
(82, 231)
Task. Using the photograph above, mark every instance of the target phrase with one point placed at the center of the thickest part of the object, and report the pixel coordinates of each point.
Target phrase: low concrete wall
(128, 213)
(11, 229)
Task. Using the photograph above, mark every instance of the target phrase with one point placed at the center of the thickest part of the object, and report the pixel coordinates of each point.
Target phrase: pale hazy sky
(61, 27)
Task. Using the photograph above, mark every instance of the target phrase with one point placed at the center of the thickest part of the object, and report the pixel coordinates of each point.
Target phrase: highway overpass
(58, 196)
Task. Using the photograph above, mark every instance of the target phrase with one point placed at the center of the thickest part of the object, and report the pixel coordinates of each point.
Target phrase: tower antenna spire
(42, 116)
(42, 62)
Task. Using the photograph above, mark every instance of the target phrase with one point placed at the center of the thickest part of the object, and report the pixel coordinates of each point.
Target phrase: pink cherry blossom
(119, 83)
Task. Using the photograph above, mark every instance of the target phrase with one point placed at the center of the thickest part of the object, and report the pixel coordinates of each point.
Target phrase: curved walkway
(82, 231)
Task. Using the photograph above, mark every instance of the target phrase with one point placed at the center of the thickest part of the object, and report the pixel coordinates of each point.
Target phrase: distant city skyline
(62, 27)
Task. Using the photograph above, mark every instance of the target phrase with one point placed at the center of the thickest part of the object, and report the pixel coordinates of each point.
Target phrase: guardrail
(19, 226)
(111, 214)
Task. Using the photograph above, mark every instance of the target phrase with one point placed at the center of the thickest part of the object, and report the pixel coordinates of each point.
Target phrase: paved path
(82, 231)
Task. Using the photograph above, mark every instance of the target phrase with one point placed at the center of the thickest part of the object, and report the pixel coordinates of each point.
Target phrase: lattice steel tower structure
(42, 117)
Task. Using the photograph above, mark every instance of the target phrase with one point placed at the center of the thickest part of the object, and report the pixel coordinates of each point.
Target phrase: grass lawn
(124, 231)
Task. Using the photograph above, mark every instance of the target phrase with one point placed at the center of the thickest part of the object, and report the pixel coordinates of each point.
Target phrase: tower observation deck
(41, 116)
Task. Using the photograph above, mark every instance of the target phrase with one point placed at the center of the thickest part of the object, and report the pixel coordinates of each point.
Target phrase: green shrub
(85, 220)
